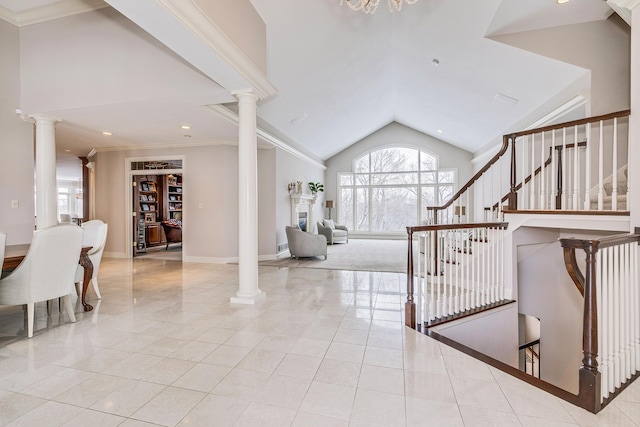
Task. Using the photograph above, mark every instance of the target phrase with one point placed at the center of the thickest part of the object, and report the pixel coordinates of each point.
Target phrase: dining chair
(95, 235)
(46, 273)
(3, 243)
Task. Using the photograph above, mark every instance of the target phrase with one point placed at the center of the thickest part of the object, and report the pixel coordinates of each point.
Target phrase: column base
(248, 299)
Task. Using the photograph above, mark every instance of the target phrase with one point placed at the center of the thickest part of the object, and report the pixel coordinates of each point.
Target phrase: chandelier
(370, 6)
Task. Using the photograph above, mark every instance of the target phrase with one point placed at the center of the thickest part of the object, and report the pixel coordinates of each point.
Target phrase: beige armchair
(334, 233)
(303, 244)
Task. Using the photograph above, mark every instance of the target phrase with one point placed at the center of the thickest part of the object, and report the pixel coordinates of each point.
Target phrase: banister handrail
(436, 227)
(590, 391)
(511, 196)
(474, 178)
(609, 116)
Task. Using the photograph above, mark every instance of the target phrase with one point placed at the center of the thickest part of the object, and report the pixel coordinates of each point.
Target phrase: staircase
(462, 274)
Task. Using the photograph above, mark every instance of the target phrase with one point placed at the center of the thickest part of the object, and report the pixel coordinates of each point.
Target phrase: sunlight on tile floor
(326, 348)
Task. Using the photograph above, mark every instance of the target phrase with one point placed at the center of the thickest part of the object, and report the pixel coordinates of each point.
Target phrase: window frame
(365, 181)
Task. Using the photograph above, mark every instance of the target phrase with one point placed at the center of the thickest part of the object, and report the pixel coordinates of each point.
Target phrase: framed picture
(145, 207)
(149, 217)
(144, 186)
(172, 180)
(143, 197)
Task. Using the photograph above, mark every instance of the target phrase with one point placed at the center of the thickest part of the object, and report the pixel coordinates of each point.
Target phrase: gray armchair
(303, 244)
(334, 233)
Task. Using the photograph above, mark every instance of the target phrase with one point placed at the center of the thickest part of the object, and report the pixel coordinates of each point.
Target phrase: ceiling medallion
(370, 6)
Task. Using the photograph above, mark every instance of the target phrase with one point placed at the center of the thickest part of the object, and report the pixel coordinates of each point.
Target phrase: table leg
(86, 263)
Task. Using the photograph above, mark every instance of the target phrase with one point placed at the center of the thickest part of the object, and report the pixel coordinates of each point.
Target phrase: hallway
(327, 348)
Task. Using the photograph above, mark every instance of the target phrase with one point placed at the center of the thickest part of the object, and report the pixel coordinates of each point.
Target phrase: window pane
(394, 160)
(428, 178)
(428, 162)
(345, 179)
(394, 178)
(393, 209)
(362, 179)
(362, 210)
(447, 177)
(361, 164)
(446, 191)
(428, 197)
(346, 207)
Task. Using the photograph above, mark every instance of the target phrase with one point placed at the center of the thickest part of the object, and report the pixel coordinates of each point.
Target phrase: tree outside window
(390, 188)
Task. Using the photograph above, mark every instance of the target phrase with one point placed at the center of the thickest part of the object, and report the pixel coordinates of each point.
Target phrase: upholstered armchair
(303, 244)
(172, 231)
(46, 272)
(334, 233)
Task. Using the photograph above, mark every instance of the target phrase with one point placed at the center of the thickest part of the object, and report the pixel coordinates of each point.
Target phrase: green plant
(316, 187)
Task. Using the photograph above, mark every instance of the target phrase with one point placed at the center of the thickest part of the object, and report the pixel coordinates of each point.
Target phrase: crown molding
(193, 18)
(232, 117)
(623, 8)
(169, 145)
(51, 11)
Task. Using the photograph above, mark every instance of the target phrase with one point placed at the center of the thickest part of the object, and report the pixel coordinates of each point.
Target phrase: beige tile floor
(326, 348)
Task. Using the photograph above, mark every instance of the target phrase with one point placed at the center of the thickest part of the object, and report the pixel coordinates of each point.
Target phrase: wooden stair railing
(610, 287)
(511, 140)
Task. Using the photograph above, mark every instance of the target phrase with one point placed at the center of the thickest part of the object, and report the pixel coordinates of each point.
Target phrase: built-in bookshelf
(174, 197)
(148, 200)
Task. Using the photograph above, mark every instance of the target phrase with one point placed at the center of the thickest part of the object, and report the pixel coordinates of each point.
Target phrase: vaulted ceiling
(341, 75)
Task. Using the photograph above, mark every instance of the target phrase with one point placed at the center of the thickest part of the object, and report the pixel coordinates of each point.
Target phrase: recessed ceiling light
(185, 127)
(562, 1)
(435, 62)
(68, 151)
(187, 136)
(107, 133)
(506, 99)
(439, 130)
(299, 118)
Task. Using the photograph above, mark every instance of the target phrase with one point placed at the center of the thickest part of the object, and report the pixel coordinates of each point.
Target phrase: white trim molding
(199, 24)
(56, 10)
(623, 8)
(232, 117)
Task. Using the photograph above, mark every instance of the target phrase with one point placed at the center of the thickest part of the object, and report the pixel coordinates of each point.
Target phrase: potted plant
(315, 188)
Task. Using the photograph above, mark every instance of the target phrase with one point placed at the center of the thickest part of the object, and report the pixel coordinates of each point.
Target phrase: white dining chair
(3, 243)
(46, 273)
(95, 235)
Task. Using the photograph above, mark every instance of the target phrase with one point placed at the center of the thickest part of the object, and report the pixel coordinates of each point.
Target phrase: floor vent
(282, 247)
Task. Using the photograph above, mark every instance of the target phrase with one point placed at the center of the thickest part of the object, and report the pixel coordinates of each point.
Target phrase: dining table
(14, 254)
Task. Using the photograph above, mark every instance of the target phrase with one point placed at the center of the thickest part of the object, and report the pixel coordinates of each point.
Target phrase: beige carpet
(358, 254)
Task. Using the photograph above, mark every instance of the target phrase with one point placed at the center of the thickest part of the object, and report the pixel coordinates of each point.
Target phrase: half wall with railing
(579, 165)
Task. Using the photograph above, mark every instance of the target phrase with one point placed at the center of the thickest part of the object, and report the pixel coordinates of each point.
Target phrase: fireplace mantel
(302, 210)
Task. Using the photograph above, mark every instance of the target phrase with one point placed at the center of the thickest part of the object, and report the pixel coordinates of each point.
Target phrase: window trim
(421, 213)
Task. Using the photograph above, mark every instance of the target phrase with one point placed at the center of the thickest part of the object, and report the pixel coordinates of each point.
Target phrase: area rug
(357, 255)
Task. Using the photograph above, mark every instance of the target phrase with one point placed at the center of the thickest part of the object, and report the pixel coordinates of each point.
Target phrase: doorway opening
(155, 197)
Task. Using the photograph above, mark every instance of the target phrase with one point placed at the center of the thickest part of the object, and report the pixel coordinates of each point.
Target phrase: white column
(46, 188)
(248, 291)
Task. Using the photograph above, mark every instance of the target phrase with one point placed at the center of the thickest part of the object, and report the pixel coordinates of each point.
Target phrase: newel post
(589, 395)
(512, 199)
(410, 305)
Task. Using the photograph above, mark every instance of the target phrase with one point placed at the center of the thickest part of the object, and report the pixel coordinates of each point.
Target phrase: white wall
(104, 59)
(494, 333)
(210, 179)
(600, 46)
(291, 169)
(16, 145)
(634, 120)
(396, 134)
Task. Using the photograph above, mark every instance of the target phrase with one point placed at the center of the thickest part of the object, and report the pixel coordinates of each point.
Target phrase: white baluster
(600, 166)
(523, 164)
(552, 172)
(532, 188)
(576, 186)
(603, 331)
(587, 166)
(565, 185)
(543, 200)
(614, 174)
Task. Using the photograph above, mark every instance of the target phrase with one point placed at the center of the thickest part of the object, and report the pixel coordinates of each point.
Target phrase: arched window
(390, 188)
